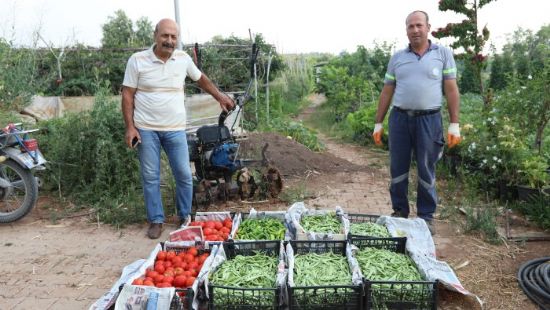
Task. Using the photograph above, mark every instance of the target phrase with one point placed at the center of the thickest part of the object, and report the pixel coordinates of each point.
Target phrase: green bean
(369, 229)
(257, 272)
(261, 229)
(328, 223)
(382, 265)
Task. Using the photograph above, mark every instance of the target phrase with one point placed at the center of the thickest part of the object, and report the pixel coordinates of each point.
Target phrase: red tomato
(218, 225)
(189, 281)
(228, 223)
(170, 255)
(167, 264)
(177, 260)
(169, 274)
(158, 278)
(138, 281)
(179, 281)
(193, 251)
(148, 283)
(151, 273)
(187, 273)
(210, 224)
(225, 230)
(178, 270)
(161, 255)
(160, 268)
(194, 265)
(169, 279)
(189, 258)
(163, 284)
(202, 258)
(208, 231)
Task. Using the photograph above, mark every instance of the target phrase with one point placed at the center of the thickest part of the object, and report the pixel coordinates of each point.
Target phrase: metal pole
(267, 85)
(177, 15)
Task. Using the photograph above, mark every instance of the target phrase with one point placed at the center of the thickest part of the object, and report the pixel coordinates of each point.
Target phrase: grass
(298, 192)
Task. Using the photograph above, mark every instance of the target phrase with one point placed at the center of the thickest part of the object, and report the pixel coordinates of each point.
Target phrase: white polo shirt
(159, 99)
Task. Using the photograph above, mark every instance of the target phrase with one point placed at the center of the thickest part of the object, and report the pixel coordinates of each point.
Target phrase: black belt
(413, 113)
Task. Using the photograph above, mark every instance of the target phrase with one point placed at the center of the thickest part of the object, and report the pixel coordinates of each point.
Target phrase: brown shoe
(155, 230)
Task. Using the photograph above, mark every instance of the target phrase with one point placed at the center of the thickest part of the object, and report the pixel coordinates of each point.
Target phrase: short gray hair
(418, 11)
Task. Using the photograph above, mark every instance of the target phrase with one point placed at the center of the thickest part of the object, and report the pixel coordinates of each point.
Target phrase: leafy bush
(362, 124)
(89, 161)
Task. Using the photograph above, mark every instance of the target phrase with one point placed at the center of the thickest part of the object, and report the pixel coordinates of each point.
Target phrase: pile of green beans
(385, 265)
(314, 269)
(326, 269)
(261, 229)
(328, 223)
(256, 271)
(369, 229)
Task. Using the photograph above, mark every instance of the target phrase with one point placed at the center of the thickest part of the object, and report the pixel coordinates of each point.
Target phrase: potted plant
(532, 178)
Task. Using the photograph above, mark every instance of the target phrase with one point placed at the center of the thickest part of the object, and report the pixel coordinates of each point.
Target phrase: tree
(144, 33)
(468, 36)
(498, 75)
(117, 32)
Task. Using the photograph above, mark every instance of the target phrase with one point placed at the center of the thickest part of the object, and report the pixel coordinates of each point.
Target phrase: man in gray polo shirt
(415, 81)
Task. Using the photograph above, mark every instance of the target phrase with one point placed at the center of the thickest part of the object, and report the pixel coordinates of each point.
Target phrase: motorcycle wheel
(17, 199)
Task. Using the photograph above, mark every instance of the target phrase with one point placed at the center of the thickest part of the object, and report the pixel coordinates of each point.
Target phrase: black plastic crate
(395, 294)
(323, 297)
(225, 297)
(271, 248)
(400, 295)
(361, 218)
(394, 244)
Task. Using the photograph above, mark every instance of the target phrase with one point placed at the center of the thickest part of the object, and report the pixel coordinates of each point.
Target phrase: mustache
(168, 45)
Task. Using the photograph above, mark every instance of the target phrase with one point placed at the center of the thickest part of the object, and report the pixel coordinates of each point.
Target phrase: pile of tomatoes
(172, 269)
(215, 230)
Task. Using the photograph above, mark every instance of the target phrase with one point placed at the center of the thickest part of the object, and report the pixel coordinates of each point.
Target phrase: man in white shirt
(154, 114)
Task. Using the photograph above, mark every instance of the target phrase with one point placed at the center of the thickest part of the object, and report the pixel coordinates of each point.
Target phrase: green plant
(89, 162)
(532, 172)
(295, 193)
(483, 220)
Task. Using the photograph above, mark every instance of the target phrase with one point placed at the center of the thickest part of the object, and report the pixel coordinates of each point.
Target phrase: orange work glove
(377, 133)
(453, 135)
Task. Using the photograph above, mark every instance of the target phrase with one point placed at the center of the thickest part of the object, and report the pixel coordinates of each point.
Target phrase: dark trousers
(422, 137)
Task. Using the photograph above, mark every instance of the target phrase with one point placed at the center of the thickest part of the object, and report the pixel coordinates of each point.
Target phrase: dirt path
(71, 263)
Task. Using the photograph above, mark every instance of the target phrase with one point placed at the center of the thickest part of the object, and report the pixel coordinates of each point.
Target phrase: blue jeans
(421, 137)
(174, 144)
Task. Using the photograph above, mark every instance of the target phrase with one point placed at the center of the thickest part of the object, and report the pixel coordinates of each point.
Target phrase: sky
(293, 26)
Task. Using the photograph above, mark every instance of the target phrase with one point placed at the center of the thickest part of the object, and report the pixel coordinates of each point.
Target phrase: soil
(69, 262)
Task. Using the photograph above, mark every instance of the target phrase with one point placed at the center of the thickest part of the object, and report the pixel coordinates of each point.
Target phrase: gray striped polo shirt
(419, 80)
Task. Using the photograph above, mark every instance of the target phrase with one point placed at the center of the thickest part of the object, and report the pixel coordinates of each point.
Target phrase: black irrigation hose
(534, 279)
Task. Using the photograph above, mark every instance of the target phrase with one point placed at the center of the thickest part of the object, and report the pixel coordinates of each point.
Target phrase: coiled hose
(534, 279)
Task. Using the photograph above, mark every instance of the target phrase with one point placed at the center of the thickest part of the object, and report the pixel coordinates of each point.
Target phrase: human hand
(226, 103)
(453, 135)
(132, 137)
(377, 133)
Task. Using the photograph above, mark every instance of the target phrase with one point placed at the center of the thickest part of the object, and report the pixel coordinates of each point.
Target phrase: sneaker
(398, 214)
(155, 230)
(431, 226)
